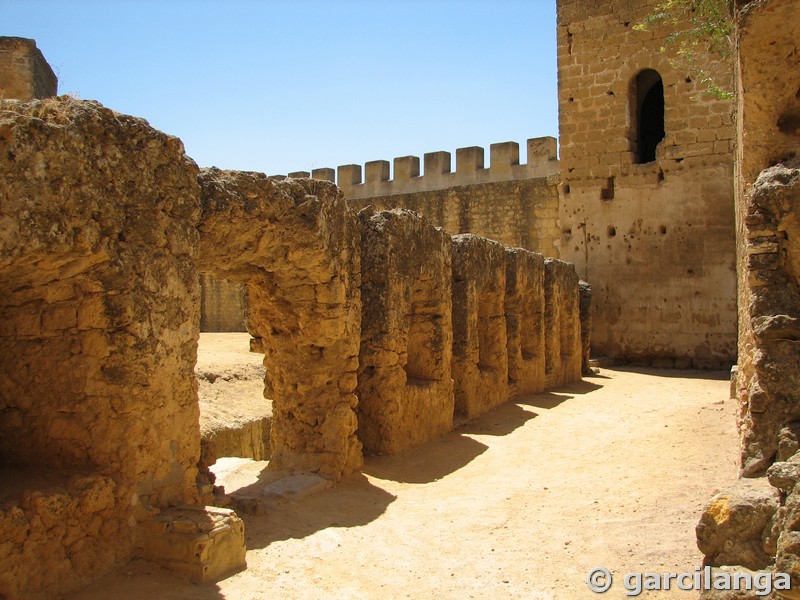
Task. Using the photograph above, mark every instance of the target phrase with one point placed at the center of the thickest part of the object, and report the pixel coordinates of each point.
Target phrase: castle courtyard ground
(522, 503)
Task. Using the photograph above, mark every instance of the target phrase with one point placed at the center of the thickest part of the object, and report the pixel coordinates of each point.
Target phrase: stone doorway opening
(294, 244)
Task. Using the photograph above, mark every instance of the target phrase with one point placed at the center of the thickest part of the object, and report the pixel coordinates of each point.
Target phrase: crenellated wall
(513, 203)
(438, 170)
(100, 306)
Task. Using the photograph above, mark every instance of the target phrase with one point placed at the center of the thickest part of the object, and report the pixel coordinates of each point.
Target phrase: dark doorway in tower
(649, 114)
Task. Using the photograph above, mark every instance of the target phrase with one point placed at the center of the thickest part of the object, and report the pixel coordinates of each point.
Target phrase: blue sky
(279, 86)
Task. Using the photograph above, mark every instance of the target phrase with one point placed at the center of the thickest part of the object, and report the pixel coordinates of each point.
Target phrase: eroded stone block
(405, 386)
(736, 527)
(203, 542)
(524, 307)
(296, 244)
(480, 348)
(99, 305)
(563, 347)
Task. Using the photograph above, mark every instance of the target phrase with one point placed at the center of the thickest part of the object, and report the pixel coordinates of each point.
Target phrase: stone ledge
(203, 542)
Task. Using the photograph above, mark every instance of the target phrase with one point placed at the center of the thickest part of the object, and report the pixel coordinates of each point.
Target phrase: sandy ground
(522, 503)
(231, 382)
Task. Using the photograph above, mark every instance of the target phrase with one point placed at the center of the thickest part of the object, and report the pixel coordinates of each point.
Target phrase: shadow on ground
(552, 398)
(501, 421)
(676, 373)
(426, 463)
(141, 579)
(352, 503)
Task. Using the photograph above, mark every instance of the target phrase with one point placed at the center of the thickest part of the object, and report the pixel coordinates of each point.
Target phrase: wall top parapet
(438, 174)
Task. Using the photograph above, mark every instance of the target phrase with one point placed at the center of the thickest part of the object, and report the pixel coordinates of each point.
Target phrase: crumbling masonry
(366, 320)
(754, 524)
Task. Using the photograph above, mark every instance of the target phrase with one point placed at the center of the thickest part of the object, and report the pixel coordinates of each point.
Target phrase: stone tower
(24, 72)
(647, 188)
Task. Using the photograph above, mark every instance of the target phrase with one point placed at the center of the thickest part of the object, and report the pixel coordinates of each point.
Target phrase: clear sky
(279, 86)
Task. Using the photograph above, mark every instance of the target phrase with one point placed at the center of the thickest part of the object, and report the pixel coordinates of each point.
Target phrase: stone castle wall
(515, 204)
(223, 304)
(105, 231)
(24, 73)
(656, 239)
(98, 337)
(753, 524)
(768, 218)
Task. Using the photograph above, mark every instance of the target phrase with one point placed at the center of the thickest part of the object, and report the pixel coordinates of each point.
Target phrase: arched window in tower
(649, 116)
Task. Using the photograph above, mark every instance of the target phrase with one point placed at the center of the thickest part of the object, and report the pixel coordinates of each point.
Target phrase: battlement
(438, 173)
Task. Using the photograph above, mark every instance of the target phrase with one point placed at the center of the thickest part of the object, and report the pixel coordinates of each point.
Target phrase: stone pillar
(586, 325)
(99, 320)
(480, 349)
(296, 245)
(405, 387)
(24, 73)
(562, 323)
(524, 306)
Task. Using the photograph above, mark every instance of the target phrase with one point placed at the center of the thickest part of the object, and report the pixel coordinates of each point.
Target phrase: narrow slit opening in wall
(647, 118)
(569, 326)
(531, 318)
(424, 335)
(487, 356)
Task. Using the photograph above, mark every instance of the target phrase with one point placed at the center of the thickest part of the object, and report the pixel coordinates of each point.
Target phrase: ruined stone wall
(768, 218)
(480, 343)
(754, 523)
(562, 323)
(515, 213)
(525, 321)
(98, 336)
(405, 387)
(512, 311)
(656, 239)
(24, 73)
(223, 305)
(512, 203)
(296, 245)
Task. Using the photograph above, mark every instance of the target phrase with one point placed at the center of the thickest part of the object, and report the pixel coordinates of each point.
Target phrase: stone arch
(98, 330)
(647, 114)
(295, 244)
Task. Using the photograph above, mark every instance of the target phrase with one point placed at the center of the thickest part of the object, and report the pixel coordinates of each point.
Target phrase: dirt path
(231, 381)
(522, 503)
